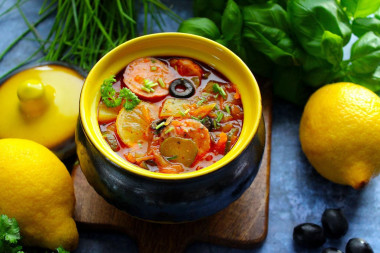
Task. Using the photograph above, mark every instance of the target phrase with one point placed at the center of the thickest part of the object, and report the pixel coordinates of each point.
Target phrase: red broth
(189, 115)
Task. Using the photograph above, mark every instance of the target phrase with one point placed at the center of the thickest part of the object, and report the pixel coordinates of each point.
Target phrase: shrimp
(186, 67)
(189, 129)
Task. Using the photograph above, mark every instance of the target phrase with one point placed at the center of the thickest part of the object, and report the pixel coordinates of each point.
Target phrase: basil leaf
(311, 19)
(258, 62)
(269, 14)
(249, 2)
(360, 8)
(377, 13)
(371, 80)
(365, 54)
(362, 25)
(321, 76)
(212, 10)
(332, 46)
(232, 21)
(200, 26)
(266, 29)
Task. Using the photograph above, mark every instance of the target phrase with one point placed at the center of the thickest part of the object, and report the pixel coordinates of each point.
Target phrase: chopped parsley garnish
(161, 82)
(148, 85)
(160, 125)
(153, 68)
(219, 117)
(227, 109)
(217, 89)
(201, 101)
(171, 158)
(184, 113)
(111, 99)
(169, 130)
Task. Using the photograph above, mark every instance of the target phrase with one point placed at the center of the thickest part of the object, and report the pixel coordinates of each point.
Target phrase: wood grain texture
(243, 224)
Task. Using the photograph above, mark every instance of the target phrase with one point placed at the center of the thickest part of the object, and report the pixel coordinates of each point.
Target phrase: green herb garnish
(108, 93)
(217, 89)
(227, 108)
(184, 113)
(171, 158)
(62, 250)
(131, 100)
(201, 101)
(160, 125)
(161, 82)
(111, 99)
(9, 235)
(169, 130)
(148, 86)
(219, 117)
(153, 68)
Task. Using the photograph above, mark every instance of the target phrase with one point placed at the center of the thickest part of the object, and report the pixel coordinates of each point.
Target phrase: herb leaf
(360, 8)
(110, 99)
(200, 26)
(131, 100)
(232, 21)
(108, 93)
(9, 235)
(62, 250)
(219, 90)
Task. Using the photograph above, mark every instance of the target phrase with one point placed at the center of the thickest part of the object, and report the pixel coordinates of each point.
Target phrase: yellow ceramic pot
(170, 197)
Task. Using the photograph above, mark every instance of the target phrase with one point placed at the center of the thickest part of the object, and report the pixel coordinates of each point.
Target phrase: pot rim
(251, 99)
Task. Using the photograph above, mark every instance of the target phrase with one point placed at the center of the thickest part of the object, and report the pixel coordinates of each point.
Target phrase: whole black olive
(181, 88)
(357, 245)
(331, 250)
(334, 223)
(309, 235)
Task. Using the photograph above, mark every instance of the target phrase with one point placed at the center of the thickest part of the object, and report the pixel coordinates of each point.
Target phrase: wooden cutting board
(243, 224)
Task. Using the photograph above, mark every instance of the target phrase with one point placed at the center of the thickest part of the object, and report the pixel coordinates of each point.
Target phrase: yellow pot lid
(41, 103)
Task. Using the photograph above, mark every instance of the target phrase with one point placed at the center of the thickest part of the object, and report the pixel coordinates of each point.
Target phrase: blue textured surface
(297, 193)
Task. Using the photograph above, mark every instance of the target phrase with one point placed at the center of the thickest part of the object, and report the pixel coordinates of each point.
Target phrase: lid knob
(33, 98)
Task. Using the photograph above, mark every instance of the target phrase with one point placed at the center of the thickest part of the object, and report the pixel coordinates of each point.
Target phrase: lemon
(37, 190)
(340, 133)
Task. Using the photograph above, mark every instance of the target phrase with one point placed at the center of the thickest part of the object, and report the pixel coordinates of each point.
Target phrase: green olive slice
(179, 150)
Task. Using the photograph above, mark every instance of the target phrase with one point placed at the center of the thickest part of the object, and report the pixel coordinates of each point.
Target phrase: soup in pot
(170, 114)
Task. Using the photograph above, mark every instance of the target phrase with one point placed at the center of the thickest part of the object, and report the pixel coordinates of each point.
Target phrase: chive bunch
(84, 30)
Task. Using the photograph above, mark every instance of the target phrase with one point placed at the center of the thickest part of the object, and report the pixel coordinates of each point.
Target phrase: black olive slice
(181, 88)
(156, 125)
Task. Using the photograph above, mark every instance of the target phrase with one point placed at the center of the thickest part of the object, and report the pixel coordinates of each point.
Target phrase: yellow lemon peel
(340, 133)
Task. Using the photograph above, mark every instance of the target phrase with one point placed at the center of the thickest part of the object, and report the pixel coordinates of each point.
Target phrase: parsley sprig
(108, 93)
(131, 100)
(111, 99)
(10, 236)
